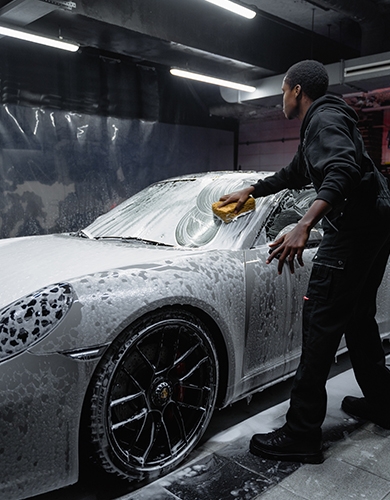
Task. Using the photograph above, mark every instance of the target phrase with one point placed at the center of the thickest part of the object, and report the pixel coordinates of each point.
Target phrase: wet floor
(221, 467)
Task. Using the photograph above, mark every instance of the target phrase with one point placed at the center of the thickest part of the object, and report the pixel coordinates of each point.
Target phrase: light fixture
(214, 81)
(234, 7)
(42, 40)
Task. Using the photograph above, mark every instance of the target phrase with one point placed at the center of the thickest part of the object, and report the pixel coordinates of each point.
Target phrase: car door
(274, 302)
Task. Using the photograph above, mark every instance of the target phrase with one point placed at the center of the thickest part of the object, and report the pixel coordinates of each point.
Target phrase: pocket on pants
(323, 281)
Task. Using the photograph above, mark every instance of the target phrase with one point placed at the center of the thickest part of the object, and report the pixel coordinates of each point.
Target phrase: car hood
(30, 263)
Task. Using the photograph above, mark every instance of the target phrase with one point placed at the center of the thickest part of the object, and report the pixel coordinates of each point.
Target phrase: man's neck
(304, 106)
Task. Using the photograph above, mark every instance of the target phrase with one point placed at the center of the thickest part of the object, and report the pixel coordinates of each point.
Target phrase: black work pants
(341, 299)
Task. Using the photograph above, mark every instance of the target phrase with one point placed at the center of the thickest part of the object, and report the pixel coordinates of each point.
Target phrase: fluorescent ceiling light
(209, 79)
(234, 7)
(29, 37)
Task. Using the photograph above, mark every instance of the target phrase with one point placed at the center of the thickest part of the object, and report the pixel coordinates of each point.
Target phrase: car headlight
(32, 317)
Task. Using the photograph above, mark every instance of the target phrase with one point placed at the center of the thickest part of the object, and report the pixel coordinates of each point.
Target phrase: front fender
(107, 303)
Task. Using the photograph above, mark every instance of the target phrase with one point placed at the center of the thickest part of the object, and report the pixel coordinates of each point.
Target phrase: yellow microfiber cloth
(227, 214)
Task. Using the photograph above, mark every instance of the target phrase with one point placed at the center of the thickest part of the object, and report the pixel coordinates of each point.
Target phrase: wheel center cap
(162, 393)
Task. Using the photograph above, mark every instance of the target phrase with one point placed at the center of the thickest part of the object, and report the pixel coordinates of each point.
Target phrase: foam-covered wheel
(153, 394)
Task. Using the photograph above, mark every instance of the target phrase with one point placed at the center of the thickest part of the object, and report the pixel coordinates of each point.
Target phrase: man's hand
(293, 243)
(239, 197)
(288, 246)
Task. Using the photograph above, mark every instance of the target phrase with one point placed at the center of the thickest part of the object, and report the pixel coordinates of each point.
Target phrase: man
(347, 269)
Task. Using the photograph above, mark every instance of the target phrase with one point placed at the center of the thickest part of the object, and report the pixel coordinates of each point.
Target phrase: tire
(153, 395)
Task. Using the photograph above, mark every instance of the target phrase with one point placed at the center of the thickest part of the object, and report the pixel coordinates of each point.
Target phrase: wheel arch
(215, 330)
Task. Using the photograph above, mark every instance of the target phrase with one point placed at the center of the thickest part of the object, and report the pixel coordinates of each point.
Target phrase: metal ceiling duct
(372, 18)
(363, 74)
(362, 24)
(23, 12)
(359, 10)
(199, 36)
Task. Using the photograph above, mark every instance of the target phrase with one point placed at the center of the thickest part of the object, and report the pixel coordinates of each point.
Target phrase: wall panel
(268, 146)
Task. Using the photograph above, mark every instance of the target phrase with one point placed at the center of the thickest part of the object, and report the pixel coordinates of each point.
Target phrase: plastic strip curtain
(60, 170)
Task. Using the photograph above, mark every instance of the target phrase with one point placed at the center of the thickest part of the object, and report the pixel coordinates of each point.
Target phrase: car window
(290, 210)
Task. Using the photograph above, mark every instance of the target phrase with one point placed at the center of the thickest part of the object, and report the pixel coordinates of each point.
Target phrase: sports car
(122, 339)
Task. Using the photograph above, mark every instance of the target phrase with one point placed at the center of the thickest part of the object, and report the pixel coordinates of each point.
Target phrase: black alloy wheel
(153, 395)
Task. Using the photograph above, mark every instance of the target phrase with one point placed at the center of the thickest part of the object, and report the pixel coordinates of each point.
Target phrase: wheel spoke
(184, 356)
(194, 369)
(126, 399)
(146, 359)
(167, 437)
(168, 348)
(136, 383)
(180, 421)
(191, 407)
(154, 443)
(160, 352)
(175, 349)
(130, 420)
(195, 398)
(149, 435)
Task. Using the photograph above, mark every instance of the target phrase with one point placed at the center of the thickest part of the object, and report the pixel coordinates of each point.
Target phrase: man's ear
(298, 91)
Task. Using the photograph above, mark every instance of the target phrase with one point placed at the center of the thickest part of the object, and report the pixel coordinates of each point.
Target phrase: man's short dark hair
(311, 76)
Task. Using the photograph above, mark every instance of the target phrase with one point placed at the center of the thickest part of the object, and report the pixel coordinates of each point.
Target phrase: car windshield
(175, 212)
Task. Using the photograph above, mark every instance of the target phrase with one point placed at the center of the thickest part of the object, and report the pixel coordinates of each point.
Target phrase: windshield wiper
(133, 238)
(83, 233)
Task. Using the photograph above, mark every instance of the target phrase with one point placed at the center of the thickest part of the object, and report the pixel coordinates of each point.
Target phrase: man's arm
(293, 176)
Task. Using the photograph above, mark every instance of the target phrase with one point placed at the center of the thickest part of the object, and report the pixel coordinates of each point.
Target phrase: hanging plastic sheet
(60, 170)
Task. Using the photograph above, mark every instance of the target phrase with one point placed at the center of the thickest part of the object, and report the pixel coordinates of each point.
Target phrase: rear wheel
(153, 394)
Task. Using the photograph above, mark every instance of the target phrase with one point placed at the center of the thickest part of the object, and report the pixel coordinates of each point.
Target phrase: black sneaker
(360, 409)
(278, 445)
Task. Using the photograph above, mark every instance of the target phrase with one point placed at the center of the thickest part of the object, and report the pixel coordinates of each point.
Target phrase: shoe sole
(305, 458)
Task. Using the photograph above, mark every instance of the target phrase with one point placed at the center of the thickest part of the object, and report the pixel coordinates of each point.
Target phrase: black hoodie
(330, 156)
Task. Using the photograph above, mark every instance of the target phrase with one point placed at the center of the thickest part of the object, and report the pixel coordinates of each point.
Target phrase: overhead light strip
(42, 40)
(214, 81)
(234, 7)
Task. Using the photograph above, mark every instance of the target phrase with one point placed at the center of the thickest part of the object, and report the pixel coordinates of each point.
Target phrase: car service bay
(143, 337)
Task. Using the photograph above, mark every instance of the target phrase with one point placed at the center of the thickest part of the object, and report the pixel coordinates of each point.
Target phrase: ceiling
(198, 36)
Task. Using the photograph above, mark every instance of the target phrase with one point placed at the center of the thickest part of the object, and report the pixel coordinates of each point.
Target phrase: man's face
(290, 101)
